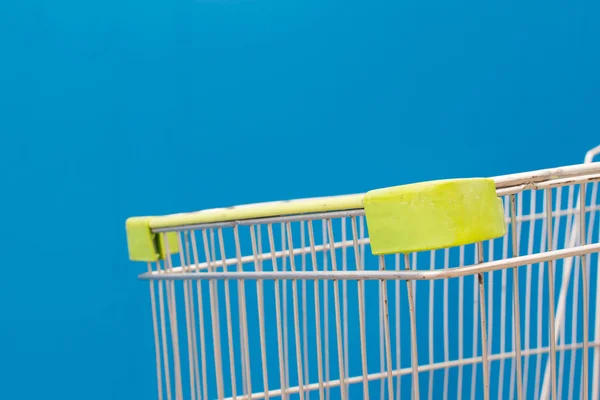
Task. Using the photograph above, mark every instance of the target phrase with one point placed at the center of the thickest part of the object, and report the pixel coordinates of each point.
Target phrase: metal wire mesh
(298, 307)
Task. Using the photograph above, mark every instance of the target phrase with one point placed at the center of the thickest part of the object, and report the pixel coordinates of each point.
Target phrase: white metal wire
(278, 323)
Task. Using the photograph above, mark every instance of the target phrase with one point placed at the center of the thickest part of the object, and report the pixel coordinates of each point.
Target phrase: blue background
(118, 108)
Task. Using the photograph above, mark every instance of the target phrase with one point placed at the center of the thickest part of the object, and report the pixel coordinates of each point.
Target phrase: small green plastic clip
(144, 245)
(433, 215)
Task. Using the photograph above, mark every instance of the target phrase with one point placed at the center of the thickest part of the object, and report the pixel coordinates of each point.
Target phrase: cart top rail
(505, 184)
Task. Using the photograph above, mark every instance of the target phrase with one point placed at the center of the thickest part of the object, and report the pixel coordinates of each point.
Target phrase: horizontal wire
(265, 220)
(385, 275)
(507, 184)
(422, 368)
(232, 262)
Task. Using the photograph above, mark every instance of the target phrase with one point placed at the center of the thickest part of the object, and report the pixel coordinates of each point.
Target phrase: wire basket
(287, 300)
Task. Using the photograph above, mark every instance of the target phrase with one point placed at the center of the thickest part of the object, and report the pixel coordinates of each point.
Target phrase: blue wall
(116, 108)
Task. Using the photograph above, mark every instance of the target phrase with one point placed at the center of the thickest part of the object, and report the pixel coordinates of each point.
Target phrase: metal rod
(156, 338)
(503, 307)
(361, 313)
(388, 275)
(484, 348)
(552, 337)
(386, 326)
(461, 311)
(398, 346)
(215, 319)
(413, 333)
(285, 305)
(200, 319)
(326, 307)
(584, 288)
(245, 348)
(282, 367)
(344, 296)
(304, 305)
(232, 262)
(561, 333)
(431, 315)
(188, 324)
(290, 211)
(296, 315)
(171, 304)
(261, 316)
(338, 322)
(446, 328)
(516, 305)
(575, 297)
(311, 240)
(163, 327)
(228, 317)
(193, 319)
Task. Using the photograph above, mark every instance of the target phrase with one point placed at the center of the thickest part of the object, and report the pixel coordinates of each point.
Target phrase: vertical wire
(475, 336)
(413, 331)
(461, 309)
(552, 337)
(361, 313)
(446, 329)
(326, 308)
(596, 367)
(200, 317)
(163, 327)
(381, 345)
(362, 242)
(214, 314)
(584, 286)
(193, 317)
(261, 316)
(490, 298)
(304, 306)
(345, 294)
(228, 315)
(338, 322)
(590, 232)
(431, 285)
(540, 303)
(244, 346)
(386, 323)
(414, 283)
(562, 331)
(172, 306)
(574, 316)
(528, 282)
(503, 276)
(398, 347)
(188, 320)
(286, 353)
(156, 338)
(313, 253)
(586, 282)
(260, 261)
(296, 317)
(516, 305)
(513, 365)
(484, 349)
(282, 367)
(574, 330)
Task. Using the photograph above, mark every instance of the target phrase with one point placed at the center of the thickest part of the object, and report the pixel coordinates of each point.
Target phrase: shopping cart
(454, 292)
